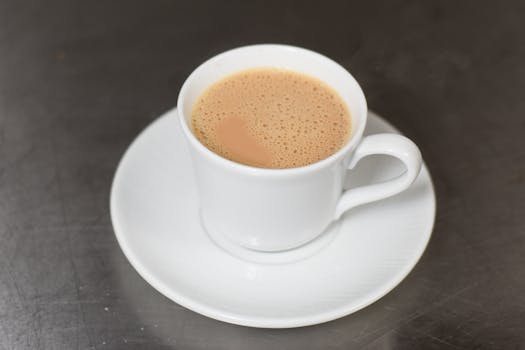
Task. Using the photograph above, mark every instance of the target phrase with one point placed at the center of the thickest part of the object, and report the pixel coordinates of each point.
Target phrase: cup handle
(390, 144)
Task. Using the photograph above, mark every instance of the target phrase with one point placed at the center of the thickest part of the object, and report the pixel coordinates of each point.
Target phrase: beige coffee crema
(271, 118)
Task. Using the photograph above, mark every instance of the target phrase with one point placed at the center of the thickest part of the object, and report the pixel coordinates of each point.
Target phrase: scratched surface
(80, 79)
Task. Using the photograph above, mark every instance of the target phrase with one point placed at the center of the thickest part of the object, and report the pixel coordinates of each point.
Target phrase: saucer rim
(216, 312)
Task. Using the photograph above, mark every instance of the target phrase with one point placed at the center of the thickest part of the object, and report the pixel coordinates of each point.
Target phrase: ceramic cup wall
(280, 209)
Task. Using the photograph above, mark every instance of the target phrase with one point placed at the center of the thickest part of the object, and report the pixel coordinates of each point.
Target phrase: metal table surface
(80, 79)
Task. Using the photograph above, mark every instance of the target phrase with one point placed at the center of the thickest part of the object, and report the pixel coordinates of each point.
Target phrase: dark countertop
(80, 79)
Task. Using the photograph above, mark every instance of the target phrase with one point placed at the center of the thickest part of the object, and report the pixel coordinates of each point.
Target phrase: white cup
(280, 209)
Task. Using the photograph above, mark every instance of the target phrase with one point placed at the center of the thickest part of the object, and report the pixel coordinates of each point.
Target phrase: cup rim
(323, 163)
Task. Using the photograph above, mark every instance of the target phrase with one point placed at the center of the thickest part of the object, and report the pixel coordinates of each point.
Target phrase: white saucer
(155, 214)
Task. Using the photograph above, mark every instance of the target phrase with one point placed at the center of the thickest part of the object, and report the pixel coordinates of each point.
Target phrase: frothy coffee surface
(271, 118)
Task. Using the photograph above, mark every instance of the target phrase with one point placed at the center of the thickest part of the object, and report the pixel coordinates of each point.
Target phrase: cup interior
(278, 56)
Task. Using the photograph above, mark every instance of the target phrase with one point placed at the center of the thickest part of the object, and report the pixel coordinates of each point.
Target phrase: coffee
(271, 118)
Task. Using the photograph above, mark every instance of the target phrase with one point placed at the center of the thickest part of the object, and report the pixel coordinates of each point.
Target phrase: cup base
(288, 256)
